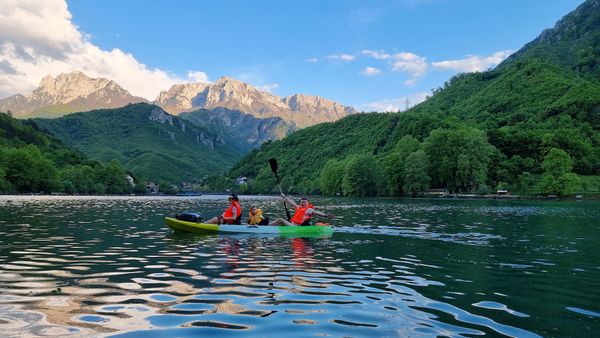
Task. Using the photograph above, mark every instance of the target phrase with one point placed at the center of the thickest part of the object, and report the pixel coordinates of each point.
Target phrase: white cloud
(394, 105)
(410, 63)
(196, 76)
(38, 38)
(379, 55)
(343, 57)
(268, 87)
(473, 63)
(370, 71)
(411, 82)
(312, 60)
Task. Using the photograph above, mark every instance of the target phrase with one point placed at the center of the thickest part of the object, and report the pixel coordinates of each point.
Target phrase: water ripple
(108, 266)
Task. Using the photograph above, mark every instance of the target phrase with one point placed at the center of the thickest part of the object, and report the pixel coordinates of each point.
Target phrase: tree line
(461, 160)
(35, 162)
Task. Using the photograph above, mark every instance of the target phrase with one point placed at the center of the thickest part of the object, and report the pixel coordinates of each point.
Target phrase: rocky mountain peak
(68, 87)
(303, 110)
(232, 85)
(69, 92)
(226, 79)
(179, 97)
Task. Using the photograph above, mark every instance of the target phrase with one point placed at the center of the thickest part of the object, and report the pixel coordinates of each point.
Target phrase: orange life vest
(229, 212)
(300, 215)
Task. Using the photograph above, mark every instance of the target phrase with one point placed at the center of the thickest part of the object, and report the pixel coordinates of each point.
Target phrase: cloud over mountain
(473, 63)
(39, 36)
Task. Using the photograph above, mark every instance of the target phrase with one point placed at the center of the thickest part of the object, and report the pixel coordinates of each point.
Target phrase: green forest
(146, 141)
(531, 125)
(32, 161)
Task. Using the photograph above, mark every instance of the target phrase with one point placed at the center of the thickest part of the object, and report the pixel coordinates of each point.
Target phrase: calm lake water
(84, 266)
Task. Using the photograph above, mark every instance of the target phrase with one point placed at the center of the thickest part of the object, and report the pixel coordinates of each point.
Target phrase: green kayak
(179, 225)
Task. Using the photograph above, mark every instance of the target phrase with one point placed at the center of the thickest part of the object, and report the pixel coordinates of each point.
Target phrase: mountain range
(302, 110)
(76, 92)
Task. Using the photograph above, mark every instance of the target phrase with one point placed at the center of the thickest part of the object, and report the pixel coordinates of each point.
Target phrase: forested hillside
(530, 125)
(32, 161)
(148, 141)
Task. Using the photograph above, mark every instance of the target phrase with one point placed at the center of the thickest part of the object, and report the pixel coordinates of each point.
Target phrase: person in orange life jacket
(304, 212)
(232, 215)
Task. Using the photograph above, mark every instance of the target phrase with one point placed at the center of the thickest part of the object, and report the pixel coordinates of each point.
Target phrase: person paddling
(304, 212)
(232, 215)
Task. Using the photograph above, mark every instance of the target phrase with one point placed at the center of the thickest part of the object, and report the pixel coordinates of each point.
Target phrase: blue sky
(368, 54)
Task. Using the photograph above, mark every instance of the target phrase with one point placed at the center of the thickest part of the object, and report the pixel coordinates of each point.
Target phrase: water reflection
(109, 266)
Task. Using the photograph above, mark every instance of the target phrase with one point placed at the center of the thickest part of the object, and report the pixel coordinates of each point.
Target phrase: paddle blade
(273, 164)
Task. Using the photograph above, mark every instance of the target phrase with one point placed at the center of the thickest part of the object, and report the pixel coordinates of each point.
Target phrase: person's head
(232, 197)
(304, 202)
(253, 209)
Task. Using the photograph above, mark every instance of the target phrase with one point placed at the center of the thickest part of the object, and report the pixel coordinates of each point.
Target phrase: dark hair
(304, 199)
(234, 197)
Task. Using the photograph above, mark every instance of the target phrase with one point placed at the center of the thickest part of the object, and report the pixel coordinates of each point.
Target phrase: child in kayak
(255, 216)
(232, 215)
(304, 212)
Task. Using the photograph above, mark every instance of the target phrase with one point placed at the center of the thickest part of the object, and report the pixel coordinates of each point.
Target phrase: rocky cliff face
(302, 110)
(248, 131)
(69, 93)
(179, 97)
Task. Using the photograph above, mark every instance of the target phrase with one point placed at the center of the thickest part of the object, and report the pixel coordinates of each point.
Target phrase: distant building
(152, 188)
(502, 192)
(437, 192)
(241, 180)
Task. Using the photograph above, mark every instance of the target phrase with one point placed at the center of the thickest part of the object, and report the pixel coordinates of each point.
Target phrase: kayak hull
(179, 225)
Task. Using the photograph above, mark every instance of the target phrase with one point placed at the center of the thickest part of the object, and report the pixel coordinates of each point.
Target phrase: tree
(557, 177)
(393, 164)
(362, 177)
(459, 158)
(28, 170)
(4, 185)
(330, 179)
(113, 176)
(167, 188)
(415, 177)
(98, 188)
(82, 178)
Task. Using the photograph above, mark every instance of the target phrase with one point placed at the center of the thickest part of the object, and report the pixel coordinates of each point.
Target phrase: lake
(108, 266)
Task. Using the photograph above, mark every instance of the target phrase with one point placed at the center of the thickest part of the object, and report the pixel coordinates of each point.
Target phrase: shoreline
(211, 196)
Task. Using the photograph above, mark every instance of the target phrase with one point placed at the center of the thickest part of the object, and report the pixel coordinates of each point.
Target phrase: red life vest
(229, 212)
(300, 215)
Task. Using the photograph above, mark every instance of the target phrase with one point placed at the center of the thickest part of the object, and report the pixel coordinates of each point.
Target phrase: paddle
(273, 164)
